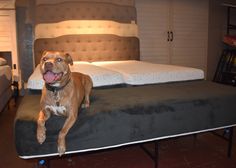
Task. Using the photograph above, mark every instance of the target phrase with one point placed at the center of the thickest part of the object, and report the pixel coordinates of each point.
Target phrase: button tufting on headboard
(85, 11)
(117, 2)
(91, 47)
(90, 30)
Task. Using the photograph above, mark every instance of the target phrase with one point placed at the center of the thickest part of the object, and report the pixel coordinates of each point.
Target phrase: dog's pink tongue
(49, 77)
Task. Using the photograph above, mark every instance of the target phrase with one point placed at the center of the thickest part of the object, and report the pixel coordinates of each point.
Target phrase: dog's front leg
(41, 136)
(41, 130)
(62, 135)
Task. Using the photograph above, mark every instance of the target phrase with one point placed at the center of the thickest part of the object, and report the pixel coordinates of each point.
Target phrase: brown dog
(63, 94)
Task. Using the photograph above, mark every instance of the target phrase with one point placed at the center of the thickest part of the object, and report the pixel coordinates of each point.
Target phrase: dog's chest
(56, 107)
(57, 110)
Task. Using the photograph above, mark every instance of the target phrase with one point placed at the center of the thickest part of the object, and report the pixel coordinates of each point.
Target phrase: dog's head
(55, 68)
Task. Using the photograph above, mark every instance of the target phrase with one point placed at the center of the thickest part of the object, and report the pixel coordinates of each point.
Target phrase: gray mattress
(122, 116)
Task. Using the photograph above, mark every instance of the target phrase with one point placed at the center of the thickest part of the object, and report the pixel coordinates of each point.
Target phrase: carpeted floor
(203, 151)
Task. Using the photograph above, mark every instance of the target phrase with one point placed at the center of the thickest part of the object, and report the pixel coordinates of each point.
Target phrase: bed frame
(153, 112)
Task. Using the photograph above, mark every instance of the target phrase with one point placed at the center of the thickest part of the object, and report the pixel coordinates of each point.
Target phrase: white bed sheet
(100, 76)
(140, 72)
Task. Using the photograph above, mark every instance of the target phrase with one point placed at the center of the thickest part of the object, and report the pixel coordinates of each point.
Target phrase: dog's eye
(59, 59)
(45, 59)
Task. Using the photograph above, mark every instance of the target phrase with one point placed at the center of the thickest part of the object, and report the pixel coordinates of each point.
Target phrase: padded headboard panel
(89, 30)
(84, 11)
(118, 2)
(91, 47)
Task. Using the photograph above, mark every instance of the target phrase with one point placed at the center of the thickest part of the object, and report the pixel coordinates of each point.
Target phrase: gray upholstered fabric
(129, 115)
(91, 47)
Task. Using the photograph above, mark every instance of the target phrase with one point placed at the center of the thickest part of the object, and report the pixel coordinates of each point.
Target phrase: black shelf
(230, 8)
(226, 68)
(231, 5)
(232, 27)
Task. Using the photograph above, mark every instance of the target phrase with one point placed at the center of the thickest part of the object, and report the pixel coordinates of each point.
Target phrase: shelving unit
(230, 26)
(226, 69)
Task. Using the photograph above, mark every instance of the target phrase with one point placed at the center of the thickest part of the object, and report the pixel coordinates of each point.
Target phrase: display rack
(226, 68)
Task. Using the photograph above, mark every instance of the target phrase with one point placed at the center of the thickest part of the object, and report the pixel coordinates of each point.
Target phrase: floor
(203, 151)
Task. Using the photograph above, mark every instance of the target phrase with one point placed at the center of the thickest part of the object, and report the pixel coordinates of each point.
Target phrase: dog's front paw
(85, 105)
(61, 147)
(41, 135)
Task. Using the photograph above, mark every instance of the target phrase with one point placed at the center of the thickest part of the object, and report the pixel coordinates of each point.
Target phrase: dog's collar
(55, 88)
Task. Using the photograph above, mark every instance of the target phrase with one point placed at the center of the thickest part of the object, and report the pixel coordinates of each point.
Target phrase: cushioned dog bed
(122, 116)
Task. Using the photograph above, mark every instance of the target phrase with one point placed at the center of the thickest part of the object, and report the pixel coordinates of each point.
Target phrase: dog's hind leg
(87, 88)
(86, 102)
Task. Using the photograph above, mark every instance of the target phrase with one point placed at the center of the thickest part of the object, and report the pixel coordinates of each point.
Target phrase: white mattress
(130, 72)
(100, 76)
(140, 72)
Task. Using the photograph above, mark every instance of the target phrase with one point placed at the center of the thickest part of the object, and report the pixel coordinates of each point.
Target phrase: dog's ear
(68, 59)
(44, 52)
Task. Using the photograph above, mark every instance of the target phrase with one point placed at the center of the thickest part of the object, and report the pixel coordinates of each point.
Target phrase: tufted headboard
(90, 30)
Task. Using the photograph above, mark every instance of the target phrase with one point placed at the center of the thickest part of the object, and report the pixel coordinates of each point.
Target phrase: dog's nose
(48, 65)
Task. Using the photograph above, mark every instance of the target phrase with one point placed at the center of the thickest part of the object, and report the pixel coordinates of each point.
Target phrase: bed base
(154, 156)
(229, 137)
(180, 111)
(230, 141)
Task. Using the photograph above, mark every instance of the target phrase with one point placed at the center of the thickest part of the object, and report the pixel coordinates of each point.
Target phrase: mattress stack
(110, 73)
